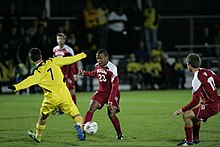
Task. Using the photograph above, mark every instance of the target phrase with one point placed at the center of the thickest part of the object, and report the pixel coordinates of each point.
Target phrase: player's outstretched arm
(69, 60)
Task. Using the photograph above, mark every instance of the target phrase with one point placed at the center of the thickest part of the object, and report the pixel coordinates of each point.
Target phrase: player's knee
(111, 115)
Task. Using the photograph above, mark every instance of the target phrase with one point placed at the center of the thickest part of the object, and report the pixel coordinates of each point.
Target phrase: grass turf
(146, 120)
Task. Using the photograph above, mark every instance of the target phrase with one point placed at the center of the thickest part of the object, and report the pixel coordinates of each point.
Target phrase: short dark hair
(194, 60)
(102, 51)
(61, 35)
(35, 54)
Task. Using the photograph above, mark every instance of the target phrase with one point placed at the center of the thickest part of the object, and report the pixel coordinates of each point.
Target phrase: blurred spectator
(90, 19)
(151, 24)
(134, 73)
(206, 38)
(155, 73)
(168, 78)
(217, 36)
(11, 18)
(141, 52)
(43, 19)
(88, 65)
(179, 73)
(6, 64)
(118, 40)
(1, 34)
(13, 38)
(71, 40)
(45, 45)
(32, 30)
(102, 14)
(23, 49)
(36, 38)
(135, 25)
(158, 52)
(67, 27)
(21, 73)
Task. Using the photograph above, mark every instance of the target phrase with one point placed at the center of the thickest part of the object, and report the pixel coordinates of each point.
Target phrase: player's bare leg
(196, 128)
(115, 121)
(188, 116)
(94, 105)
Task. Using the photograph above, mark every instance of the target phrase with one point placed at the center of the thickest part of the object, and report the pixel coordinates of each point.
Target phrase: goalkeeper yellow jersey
(48, 74)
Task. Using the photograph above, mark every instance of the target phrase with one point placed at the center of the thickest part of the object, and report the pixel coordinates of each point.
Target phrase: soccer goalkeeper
(49, 77)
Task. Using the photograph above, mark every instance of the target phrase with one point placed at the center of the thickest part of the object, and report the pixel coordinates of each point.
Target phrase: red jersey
(68, 70)
(107, 79)
(204, 86)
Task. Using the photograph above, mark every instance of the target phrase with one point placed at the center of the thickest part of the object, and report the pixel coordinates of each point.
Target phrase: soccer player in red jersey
(203, 85)
(108, 92)
(70, 72)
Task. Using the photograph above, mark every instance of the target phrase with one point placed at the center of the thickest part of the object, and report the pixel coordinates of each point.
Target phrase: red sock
(88, 117)
(74, 98)
(188, 132)
(116, 125)
(196, 129)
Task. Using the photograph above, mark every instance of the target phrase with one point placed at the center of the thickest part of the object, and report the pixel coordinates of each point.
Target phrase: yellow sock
(78, 120)
(39, 130)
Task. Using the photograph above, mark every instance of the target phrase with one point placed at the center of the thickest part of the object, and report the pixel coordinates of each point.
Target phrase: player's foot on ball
(184, 143)
(120, 137)
(32, 135)
(80, 133)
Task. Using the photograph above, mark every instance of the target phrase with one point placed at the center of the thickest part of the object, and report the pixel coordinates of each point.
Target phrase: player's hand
(177, 112)
(81, 72)
(11, 87)
(75, 77)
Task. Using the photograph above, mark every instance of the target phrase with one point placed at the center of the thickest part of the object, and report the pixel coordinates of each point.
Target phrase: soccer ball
(91, 128)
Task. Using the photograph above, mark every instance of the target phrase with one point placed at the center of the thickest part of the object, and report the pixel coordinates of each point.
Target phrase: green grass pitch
(146, 120)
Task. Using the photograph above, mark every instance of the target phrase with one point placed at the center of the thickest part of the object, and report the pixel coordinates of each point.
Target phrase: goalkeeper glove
(11, 87)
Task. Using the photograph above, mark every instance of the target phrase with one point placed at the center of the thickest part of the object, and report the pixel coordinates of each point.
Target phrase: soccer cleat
(184, 143)
(32, 135)
(120, 137)
(197, 142)
(80, 133)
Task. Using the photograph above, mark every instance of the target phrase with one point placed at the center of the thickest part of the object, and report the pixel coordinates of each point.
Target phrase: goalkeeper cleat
(80, 133)
(120, 137)
(32, 135)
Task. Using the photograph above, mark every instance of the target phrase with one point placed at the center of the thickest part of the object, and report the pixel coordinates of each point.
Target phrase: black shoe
(197, 142)
(184, 143)
(120, 137)
(32, 135)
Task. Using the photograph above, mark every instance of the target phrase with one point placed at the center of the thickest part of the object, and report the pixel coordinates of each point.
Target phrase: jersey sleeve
(92, 73)
(115, 83)
(68, 60)
(196, 94)
(29, 81)
(194, 101)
